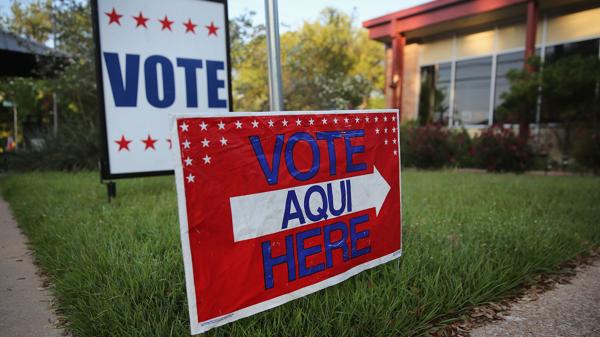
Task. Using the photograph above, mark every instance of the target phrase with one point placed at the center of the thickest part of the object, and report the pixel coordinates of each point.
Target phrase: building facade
(447, 60)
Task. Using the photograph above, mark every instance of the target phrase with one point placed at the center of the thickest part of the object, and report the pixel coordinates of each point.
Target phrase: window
(472, 91)
(582, 48)
(588, 48)
(504, 64)
(435, 88)
(473, 83)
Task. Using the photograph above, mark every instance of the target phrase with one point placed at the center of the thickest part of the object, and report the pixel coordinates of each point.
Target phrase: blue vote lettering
(289, 156)
(271, 171)
(168, 81)
(124, 91)
(159, 72)
(190, 67)
(212, 67)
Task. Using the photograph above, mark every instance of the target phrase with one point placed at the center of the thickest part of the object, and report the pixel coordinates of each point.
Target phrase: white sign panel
(157, 58)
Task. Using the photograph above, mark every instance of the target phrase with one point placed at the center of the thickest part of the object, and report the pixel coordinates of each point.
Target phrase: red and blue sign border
(105, 173)
(197, 327)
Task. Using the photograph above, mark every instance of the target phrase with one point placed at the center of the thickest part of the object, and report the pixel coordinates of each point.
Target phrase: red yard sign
(275, 206)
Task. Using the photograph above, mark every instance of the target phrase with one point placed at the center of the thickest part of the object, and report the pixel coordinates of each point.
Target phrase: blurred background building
(447, 60)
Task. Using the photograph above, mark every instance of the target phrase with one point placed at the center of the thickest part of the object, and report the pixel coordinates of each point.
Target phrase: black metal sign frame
(105, 173)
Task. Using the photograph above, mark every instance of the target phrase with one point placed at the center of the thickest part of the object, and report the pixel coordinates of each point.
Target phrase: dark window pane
(472, 91)
(582, 48)
(433, 101)
(442, 95)
(504, 64)
(444, 72)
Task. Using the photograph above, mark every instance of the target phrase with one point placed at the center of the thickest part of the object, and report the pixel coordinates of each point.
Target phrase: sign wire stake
(111, 189)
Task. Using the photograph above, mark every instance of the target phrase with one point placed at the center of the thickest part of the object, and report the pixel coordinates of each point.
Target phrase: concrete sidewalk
(569, 310)
(24, 305)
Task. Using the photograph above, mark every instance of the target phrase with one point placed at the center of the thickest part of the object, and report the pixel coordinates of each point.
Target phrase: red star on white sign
(212, 29)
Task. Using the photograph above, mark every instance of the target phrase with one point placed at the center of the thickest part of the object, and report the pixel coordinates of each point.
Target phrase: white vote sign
(157, 58)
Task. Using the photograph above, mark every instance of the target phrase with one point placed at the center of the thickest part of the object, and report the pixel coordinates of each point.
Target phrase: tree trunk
(524, 130)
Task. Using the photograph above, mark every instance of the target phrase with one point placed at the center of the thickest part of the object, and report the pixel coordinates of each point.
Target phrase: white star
(254, 124)
(335, 120)
(356, 119)
(386, 142)
(205, 142)
(206, 159)
(203, 126)
(376, 118)
(221, 125)
(184, 127)
(186, 144)
(385, 118)
(324, 121)
(377, 131)
(395, 152)
(298, 121)
(346, 120)
(284, 122)
(393, 129)
(394, 140)
(188, 161)
(271, 123)
(190, 178)
(223, 141)
(311, 121)
(393, 118)
(238, 124)
(367, 119)
(385, 130)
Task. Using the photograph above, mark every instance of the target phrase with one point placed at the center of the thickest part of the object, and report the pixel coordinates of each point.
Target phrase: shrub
(587, 149)
(428, 147)
(433, 147)
(75, 148)
(498, 149)
(463, 147)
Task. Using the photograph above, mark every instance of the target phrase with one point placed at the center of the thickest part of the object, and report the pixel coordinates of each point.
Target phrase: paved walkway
(24, 304)
(569, 310)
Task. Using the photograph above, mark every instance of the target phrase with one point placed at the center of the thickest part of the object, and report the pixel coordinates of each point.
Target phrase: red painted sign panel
(275, 206)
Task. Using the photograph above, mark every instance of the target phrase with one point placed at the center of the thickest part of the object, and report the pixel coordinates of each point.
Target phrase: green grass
(468, 239)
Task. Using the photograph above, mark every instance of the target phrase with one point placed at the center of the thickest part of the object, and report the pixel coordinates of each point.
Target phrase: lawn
(469, 238)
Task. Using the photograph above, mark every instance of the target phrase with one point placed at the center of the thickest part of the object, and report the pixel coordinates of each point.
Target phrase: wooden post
(55, 113)
(15, 125)
(398, 43)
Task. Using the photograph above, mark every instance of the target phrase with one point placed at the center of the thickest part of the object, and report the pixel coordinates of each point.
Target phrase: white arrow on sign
(260, 214)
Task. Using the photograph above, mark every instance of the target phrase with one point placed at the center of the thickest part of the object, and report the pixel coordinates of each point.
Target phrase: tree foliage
(570, 89)
(69, 24)
(326, 64)
(521, 100)
(33, 21)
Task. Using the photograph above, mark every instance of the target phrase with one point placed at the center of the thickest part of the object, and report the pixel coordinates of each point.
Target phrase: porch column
(532, 23)
(530, 35)
(398, 43)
